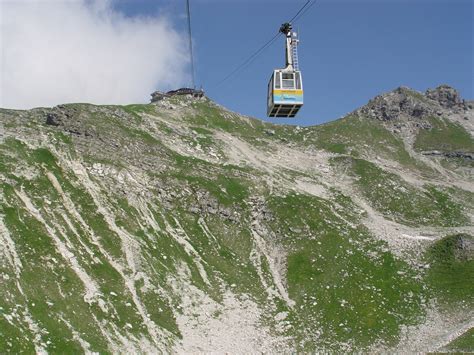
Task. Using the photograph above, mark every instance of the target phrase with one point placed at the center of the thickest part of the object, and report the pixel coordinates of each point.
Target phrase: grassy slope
(451, 281)
(400, 201)
(451, 273)
(463, 343)
(445, 136)
(348, 288)
(359, 136)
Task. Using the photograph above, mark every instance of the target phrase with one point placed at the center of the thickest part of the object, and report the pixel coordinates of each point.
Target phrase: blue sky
(350, 50)
(119, 51)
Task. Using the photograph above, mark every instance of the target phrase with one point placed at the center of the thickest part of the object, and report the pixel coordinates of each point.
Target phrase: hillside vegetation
(180, 226)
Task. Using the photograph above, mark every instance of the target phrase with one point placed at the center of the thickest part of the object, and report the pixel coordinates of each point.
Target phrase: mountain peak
(182, 227)
(404, 102)
(446, 96)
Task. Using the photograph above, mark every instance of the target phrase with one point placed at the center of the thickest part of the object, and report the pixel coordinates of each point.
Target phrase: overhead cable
(251, 58)
(190, 44)
(296, 18)
(299, 11)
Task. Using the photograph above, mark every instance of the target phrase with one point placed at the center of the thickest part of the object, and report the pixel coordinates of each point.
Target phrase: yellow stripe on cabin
(287, 92)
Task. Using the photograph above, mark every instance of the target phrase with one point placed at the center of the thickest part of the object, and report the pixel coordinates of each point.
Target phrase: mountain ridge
(181, 226)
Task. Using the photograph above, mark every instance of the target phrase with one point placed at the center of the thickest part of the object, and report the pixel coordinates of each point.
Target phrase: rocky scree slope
(180, 226)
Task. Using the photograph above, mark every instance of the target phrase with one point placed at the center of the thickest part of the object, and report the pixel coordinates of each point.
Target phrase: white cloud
(56, 52)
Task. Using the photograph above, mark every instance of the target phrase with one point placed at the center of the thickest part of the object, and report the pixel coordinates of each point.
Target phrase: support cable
(299, 11)
(190, 44)
(251, 58)
(296, 18)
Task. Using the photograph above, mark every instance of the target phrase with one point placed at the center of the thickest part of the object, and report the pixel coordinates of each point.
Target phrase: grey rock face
(174, 228)
(157, 96)
(67, 117)
(398, 103)
(447, 96)
(461, 155)
(60, 115)
(464, 247)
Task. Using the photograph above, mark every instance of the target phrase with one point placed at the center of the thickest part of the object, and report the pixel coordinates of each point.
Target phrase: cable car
(285, 89)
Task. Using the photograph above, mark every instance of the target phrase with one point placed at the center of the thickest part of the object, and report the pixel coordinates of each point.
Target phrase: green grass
(209, 117)
(228, 257)
(349, 287)
(39, 279)
(226, 184)
(135, 111)
(465, 197)
(451, 272)
(416, 95)
(463, 343)
(143, 136)
(37, 247)
(444, 136)
(399, 200)
(202, 131)
(63, 138)
(356, 135)
(226, 190)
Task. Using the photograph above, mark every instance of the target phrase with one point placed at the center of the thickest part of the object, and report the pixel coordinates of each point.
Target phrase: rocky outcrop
(461, 155)
(183, 228)
(446, 96)
(464, 247)
(396, 104)
(407, 103)
(68, 118)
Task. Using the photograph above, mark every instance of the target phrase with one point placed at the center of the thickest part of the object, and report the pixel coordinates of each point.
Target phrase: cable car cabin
(285, 93)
